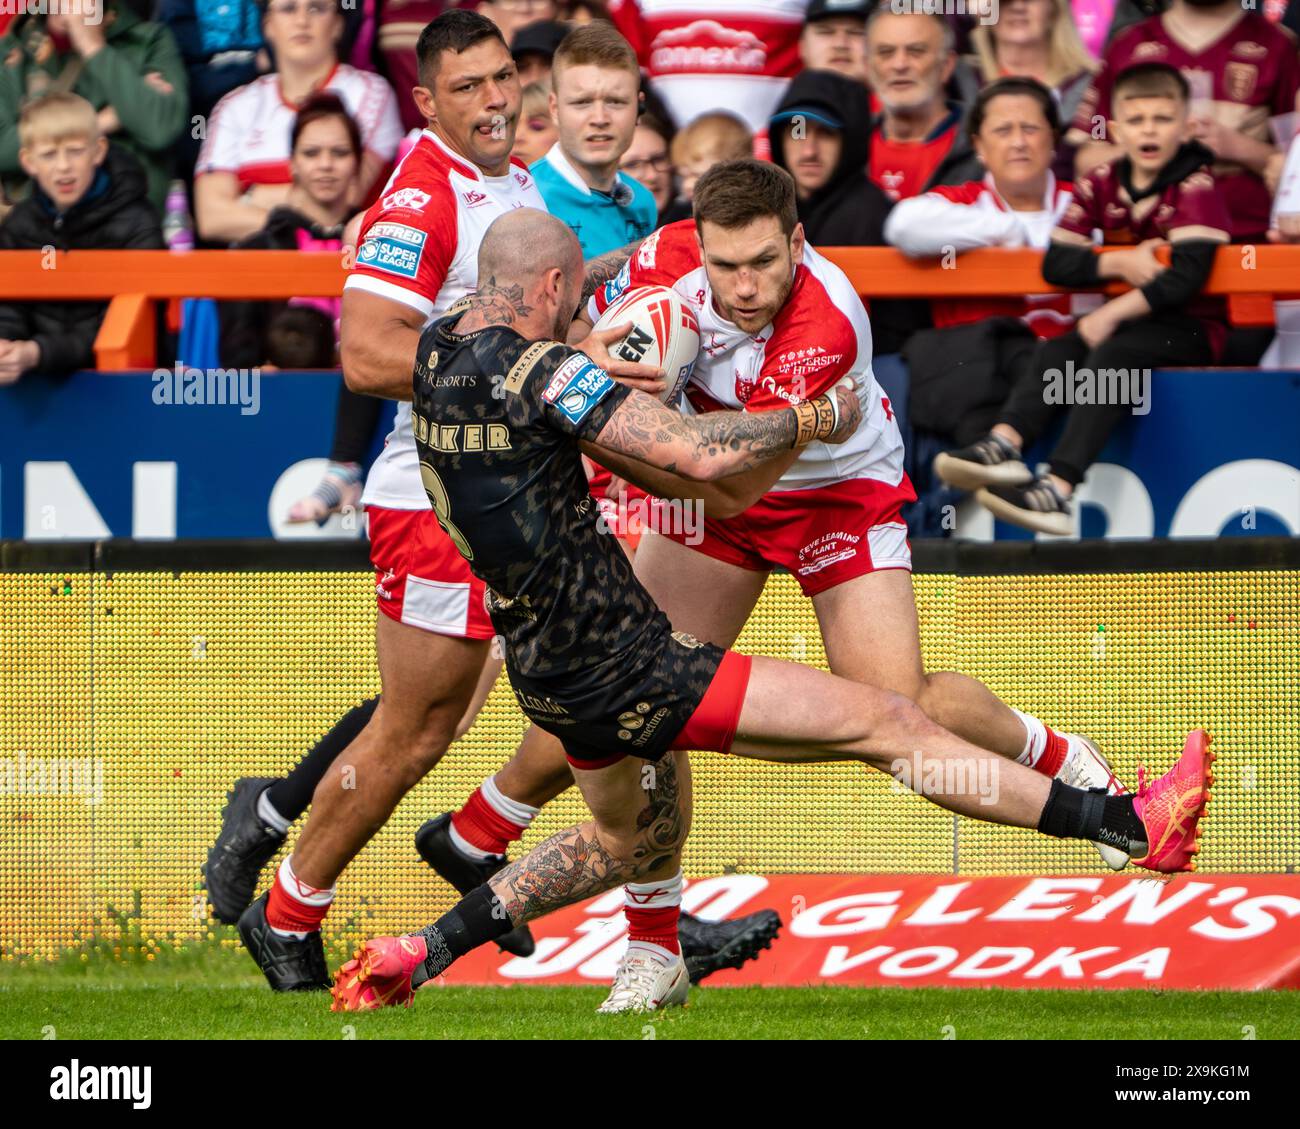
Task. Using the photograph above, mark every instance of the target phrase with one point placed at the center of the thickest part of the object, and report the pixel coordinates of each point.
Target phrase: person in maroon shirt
(1242, 70)
(1161, 191)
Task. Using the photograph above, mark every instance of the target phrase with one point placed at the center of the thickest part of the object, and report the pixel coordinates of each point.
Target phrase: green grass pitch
(213, 993)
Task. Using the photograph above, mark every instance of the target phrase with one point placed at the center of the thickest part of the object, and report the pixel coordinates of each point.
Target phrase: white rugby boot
(1085, 767)
(645, 983)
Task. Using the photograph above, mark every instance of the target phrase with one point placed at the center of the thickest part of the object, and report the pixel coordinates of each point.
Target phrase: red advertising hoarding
(1233, 931)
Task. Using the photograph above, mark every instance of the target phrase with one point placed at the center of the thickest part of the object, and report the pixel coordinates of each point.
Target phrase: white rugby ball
(664, 334)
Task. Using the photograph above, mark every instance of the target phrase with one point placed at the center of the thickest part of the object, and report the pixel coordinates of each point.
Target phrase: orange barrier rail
(1251, 277)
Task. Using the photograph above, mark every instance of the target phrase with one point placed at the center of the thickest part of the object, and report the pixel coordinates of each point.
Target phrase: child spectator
(1160, 190)
(300, 337)
(86, 195)
(648, 163)
(127, 68)
(1244, 69)
(536, 132)
(243, 168)
(709, 140)
(594, 103)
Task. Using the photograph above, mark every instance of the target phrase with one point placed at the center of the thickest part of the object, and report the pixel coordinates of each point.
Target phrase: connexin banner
(190, 454)
(1230, 931)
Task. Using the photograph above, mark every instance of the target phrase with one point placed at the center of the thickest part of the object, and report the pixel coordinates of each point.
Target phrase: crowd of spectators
(275, 122)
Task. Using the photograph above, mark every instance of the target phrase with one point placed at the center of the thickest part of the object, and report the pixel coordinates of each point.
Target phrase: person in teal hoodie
(595, 100)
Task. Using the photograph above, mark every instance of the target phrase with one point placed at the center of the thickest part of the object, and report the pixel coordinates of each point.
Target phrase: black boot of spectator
(990, 461)
(1038, 506)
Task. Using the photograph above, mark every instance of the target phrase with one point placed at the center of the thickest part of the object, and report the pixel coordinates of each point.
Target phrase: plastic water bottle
(178, 226)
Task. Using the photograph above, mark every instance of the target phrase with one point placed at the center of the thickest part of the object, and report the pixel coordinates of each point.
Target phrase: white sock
(466, 848)
(504, 806)
(267, 814)
(1035, 739)
(299, 891)
(654, 895)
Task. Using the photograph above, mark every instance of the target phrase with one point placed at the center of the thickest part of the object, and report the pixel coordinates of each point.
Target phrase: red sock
(295, 907)
(482, 826)
(657, 926)
(1054, 754)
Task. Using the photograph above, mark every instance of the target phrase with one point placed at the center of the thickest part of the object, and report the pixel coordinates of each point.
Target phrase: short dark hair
(1014, 84)
(300, 337)
(457, 29)
(736, 193)
(1151, 80)
(324, 104)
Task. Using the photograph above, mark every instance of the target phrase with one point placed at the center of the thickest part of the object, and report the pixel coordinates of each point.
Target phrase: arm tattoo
(604, 267)
(574, 864)
(701, 447)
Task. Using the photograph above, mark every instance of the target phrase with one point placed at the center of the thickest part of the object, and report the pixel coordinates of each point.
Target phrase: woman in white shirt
(243, 167)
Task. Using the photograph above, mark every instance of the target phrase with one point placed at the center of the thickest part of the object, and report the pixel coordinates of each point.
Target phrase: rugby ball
(664, 333)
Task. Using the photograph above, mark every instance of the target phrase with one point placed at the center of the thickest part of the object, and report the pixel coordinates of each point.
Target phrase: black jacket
(849, 211)
(115, 214)
(244, 324)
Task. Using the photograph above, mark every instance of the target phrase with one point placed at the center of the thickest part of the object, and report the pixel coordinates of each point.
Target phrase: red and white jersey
(248, 133)
(705, 55)
(962, 217)
(821, 335)
(419, 246)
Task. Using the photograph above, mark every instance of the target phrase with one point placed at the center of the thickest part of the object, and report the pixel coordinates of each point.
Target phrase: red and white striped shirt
(706, 55)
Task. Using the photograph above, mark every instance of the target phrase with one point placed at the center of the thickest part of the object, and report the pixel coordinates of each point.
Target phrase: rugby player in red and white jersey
(779, 325)
(418, 254)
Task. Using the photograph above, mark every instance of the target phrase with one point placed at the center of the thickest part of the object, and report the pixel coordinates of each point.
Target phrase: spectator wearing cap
(594, 102)
(916, 141)
(817, 138)
(649, 163)
(127, 68)
(243, 169)
(534, 49)
(1037, 39)
(834, 35)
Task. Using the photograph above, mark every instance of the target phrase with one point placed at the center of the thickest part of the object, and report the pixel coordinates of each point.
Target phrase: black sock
(1072, 813)
(477, 918)
(292, 795)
